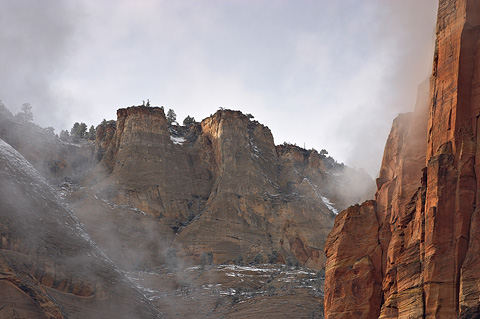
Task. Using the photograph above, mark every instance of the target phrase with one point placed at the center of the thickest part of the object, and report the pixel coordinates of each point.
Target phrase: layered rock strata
(222, 186)
(426, 221)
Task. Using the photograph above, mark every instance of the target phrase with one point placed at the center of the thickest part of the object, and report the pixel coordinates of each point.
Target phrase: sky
(319, 73)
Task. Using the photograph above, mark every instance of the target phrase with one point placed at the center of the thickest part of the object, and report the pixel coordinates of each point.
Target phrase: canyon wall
(222, 186)
(425, 229)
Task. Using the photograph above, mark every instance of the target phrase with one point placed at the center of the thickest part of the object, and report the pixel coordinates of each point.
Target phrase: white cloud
(332, 74)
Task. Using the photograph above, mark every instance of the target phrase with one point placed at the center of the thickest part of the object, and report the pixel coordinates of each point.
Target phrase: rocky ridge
(417, 257)
(223, 187)
(151, 198)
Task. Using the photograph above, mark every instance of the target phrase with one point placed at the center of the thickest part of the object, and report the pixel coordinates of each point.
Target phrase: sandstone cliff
(220, 186)
(424, 231)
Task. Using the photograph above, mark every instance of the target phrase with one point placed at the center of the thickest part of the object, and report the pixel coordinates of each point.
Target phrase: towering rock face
(222, 186)
(452, 199)
(49, 268)
(426, 220)
(358, 265)
(369, 245)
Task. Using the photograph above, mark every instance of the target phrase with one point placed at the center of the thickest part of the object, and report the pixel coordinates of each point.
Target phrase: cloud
(35, 38)
(329, 74)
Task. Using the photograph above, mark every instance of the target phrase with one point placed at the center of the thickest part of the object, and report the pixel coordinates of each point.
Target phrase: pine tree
(74, 129)
(79, 130)
(64, 135)
(171, 117)
(25, 115)
(188, 121)
(92, 133)
(82, 130)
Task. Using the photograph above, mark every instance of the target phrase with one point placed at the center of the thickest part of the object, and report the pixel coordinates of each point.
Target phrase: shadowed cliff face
(49, 267)
(222, 186)
(427, 220)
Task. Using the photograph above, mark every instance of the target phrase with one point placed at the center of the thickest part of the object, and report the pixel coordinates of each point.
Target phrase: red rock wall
(451, 154)
(428, 230)
(383, 234)
(357, 294)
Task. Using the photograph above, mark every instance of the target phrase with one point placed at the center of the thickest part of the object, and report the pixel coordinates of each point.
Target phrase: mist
(321, 74)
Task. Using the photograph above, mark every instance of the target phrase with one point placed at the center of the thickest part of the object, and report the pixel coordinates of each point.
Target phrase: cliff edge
(221, 186)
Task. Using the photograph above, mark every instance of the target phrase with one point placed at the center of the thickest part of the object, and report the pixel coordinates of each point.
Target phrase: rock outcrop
(222, 186)
(425, 224)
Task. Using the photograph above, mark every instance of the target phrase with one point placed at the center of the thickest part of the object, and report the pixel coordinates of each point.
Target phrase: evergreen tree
(79, 130)
(25, 115)
(74, 129)
(64, 135)
(82, 130)
(188, 121)
(92, 133)
(171, 117)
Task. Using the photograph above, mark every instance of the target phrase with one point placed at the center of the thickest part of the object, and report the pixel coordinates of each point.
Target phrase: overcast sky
(325, 74)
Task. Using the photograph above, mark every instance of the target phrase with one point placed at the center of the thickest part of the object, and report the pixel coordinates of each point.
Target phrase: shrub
(257, 260)
(207, 259)
(238, 261)
(273, 257)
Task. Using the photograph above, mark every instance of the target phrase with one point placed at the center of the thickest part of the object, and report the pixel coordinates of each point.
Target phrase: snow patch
(325, 200)
(19, 163)
(246, 268)
(122, 206)
(177, 140)
(329, 204)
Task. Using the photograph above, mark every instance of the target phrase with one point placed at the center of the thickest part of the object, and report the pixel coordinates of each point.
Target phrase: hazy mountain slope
(49, 266)
(53, 158)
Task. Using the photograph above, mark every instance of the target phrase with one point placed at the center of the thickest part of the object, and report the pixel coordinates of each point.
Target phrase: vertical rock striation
(426, 223)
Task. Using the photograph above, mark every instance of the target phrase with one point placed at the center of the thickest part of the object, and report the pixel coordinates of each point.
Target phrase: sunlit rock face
(49, 267)
(222, 186)
(427, 219)
(357, 294)
(369, 241)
